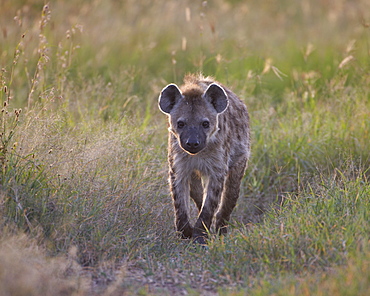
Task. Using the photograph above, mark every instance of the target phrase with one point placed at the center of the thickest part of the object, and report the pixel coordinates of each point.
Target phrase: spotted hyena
(209, 146)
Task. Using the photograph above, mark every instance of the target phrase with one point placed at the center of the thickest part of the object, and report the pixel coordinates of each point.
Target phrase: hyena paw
(221, 229)
(200, 240)
(186, 232)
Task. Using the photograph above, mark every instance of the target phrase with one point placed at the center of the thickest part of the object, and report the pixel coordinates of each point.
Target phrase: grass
(84, 200)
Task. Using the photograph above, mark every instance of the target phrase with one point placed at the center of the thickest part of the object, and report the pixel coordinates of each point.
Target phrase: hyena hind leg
(196, 189)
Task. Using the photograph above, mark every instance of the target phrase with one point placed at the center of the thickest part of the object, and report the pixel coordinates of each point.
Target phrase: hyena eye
(180, 124)
(205, 124)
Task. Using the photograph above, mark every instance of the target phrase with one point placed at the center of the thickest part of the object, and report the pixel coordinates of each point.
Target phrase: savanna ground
(84, 201)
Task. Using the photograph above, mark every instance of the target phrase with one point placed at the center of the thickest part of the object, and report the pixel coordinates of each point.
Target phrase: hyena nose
(192, 143)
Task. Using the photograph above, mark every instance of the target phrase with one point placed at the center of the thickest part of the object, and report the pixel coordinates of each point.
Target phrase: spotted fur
(208, 151)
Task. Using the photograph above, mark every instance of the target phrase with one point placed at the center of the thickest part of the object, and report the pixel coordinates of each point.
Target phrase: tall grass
(83, 146)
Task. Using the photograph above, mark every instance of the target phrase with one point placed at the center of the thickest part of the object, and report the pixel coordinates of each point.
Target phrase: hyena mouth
(192, 146)
(192, 151)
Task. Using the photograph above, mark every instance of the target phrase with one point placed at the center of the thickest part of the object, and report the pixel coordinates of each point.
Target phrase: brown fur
(209, 146)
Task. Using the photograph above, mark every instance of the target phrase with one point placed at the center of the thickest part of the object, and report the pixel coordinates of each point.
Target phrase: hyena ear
(217, 96)
(169, 96)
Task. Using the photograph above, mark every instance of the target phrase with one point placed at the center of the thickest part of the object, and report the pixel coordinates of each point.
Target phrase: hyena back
(209, 146)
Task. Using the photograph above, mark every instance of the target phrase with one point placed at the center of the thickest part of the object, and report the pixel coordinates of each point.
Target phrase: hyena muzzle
(208, 150)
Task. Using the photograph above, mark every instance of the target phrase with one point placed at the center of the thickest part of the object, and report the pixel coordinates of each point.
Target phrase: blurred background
(159, 41)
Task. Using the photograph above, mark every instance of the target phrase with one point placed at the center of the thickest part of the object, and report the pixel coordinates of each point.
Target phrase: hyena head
(193, 113)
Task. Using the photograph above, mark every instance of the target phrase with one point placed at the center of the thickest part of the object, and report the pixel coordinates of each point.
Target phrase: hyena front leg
(202, 225)
(180, 196)
(230, 194)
